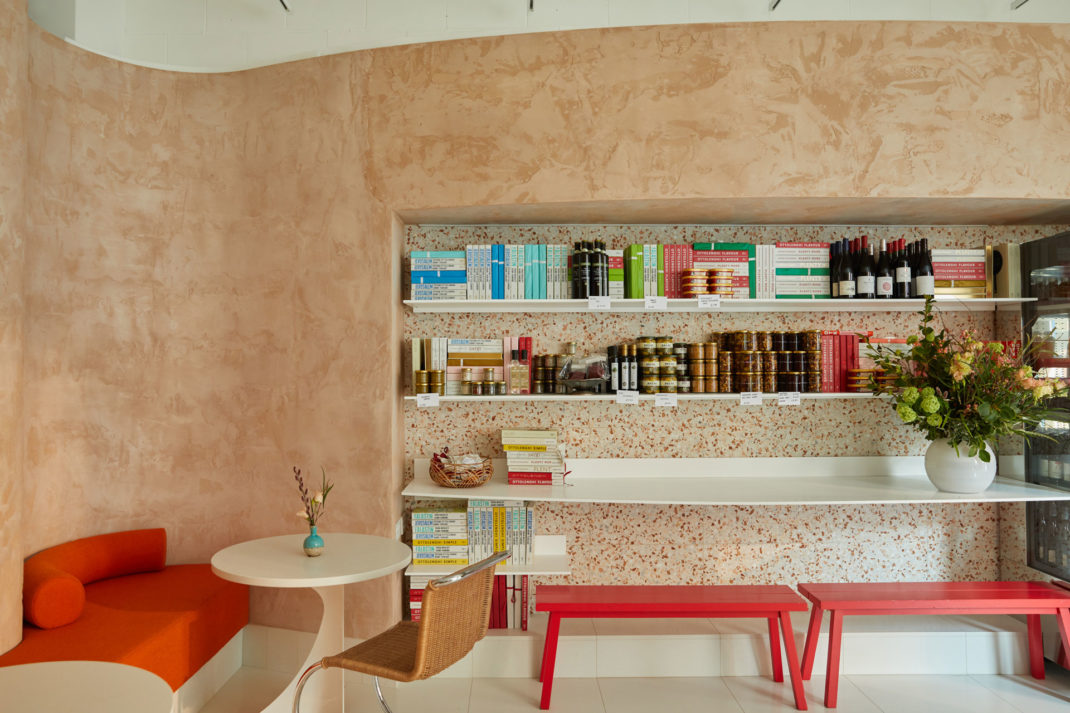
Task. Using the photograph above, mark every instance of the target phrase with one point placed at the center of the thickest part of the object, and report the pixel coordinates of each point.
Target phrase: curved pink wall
(12, 174)
(212, 277)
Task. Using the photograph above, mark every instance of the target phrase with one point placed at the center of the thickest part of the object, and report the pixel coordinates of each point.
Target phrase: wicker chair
(454, 615)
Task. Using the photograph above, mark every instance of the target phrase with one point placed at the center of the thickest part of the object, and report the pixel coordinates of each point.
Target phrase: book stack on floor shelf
(533, 457)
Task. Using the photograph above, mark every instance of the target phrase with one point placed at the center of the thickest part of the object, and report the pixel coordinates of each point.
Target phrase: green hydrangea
(906, 413)
(909, 396)
(935, 420)
(930, 404)
(928, 392)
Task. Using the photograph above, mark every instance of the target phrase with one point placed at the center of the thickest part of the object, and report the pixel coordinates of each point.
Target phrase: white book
(551, 272)
(488, 265)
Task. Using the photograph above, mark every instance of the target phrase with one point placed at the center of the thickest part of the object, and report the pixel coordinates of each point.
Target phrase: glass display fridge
(1045, 274)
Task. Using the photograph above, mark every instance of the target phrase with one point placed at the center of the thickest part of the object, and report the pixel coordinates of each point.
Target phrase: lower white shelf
(566, 398)
(737, 481)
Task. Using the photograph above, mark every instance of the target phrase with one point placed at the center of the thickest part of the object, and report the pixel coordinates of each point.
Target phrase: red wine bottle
(866, 274)
(925, 279)
(901, 288)
(834, 266)
(847, 274)
(885, 274)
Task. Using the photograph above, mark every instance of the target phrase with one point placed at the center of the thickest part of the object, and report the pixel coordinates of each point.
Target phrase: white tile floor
(858, 694)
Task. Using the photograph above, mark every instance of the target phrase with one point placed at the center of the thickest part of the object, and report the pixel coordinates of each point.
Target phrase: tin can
(769, 362)
(747, 361)
(791, 381)
(724, 382)
(769, 382)
(724, 361)
(748, 381)
(668, 384)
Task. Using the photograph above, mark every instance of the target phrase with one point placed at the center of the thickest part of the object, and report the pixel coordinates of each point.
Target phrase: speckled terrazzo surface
(622, 544)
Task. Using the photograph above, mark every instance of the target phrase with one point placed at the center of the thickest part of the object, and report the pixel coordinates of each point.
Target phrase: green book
(661, 270)
(633, 272)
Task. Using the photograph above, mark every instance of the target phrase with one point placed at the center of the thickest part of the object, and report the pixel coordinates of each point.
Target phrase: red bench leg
(774, 650)
(1064, 630)
(832, 675)
(793, 661)
(549, 655)
(810, 647)
(1036, 646)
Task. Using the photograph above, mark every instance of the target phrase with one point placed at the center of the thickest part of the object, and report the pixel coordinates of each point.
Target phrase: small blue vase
(313, 543)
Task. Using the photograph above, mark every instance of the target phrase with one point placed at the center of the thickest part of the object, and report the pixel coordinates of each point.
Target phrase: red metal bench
(1029, 598)
(772, 602)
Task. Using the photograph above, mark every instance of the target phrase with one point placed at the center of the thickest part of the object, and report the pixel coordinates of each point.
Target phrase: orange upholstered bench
(111, 598)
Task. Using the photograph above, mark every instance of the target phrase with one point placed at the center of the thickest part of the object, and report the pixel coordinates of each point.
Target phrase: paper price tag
(666, 400)
(787, 398)
(709, 302)
(750, 398)
(427, 400)
(600, 302)
(656, 302)
(628, 398)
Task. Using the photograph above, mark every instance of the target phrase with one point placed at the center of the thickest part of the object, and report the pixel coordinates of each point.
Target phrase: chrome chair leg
(379, 692)
(301, 684)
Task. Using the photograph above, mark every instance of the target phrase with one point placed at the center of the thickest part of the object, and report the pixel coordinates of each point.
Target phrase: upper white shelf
(737, 481)
(943, 304)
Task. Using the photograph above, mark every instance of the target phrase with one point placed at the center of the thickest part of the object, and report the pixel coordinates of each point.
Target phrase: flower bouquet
(963, 393)
(313, 510)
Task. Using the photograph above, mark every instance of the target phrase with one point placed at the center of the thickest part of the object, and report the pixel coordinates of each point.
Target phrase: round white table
(82, 687)
(281, 562)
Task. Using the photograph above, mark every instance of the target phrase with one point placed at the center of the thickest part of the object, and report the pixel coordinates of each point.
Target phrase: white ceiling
(225, 35)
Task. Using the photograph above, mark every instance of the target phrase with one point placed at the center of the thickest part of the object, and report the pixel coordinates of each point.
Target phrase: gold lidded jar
(664, 345)
(647, 346)
(649, 365)
(810, 340)
(649, 384)
(747, 361)
(668, 364)
(748, 381)
(769, 382)
(683, 385)
(725, 361)
(765, 341)
(724, 382)
(668, 384)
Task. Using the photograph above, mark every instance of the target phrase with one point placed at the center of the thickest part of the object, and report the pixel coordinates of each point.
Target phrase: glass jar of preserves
(650, 384)
(769, 362)
(791, 381)
(683, 385)
(668, 384)
(724, 382)
(697, 368)
(769, 383)
(712, 384)
(647, 346)
(810, 340)
(649, 365)
(664, 345)
(696, 352)
(747, 361)
(710, 350)
(668, 364)
(698, 385)
(765, 341)
(724, 361)
(748, 381)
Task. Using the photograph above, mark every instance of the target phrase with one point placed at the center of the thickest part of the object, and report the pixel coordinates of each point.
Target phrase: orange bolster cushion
(53, 592)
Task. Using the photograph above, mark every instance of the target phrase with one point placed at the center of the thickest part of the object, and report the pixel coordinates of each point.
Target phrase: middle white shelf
(842, 480)
(565, 398)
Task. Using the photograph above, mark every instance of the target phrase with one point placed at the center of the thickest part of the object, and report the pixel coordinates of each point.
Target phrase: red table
(772, 602)
(1029, 598)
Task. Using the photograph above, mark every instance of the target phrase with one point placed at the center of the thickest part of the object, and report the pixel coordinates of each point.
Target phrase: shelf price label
(658, 303)
(599, 302)
(628, 398)
(709, 302)
(788, 398)
(427, 400)
(750, 398)
(666, 400)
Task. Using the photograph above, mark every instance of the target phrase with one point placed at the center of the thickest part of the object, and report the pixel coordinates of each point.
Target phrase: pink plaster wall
(212, 281)
(12, 244)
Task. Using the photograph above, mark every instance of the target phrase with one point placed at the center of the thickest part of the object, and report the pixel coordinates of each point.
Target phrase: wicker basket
(449, 475)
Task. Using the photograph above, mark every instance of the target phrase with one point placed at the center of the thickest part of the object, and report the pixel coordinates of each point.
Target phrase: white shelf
(943, 304)
(737, 481)
(642, 397)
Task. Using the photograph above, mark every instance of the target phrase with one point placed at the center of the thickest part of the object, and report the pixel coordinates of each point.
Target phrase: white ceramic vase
(954, 473)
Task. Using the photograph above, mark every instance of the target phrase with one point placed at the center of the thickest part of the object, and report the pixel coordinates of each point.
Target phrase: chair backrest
(454, 615)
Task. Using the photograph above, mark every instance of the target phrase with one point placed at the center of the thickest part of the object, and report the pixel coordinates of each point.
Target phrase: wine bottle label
(925, 285)
(865, 284)
(614, 382)
(835, 289)
(902, 274)
(884, 286)
(847, 288)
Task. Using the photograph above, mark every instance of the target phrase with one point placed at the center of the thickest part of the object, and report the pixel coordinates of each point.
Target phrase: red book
(416, 595)
(503, 602)
(828, 375)
(524, 603)
(837, 363)
(853, 341)
(494, 606)
(530, 474)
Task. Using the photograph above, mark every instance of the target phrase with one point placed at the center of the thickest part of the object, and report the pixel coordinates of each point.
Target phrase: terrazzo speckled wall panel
(626, 544)
(12, 248)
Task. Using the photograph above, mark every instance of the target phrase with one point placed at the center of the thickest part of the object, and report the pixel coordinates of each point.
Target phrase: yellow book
(450, 562)
(522, 447)
(438, 543)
